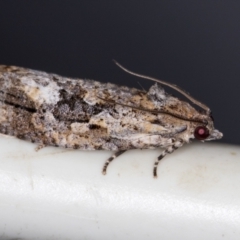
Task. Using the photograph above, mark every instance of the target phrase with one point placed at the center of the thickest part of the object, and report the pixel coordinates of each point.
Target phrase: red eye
(201, 133)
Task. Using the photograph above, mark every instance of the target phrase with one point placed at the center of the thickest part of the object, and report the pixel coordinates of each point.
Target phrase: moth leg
(115, 155)
(169, 150)
(39, 147)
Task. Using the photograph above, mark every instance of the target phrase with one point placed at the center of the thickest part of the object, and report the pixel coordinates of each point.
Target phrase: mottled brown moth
(83, 114)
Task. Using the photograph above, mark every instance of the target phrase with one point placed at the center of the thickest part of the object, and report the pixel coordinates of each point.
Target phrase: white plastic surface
(61, 194)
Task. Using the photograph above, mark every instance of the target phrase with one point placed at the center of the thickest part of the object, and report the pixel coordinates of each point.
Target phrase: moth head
(203, 128)
(207, 132)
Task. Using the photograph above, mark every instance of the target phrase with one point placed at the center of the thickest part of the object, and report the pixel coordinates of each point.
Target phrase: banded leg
(115, 155)
(40, 146)
(169, 150)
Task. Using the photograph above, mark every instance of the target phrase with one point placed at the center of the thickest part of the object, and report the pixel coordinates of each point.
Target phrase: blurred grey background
(194, 44)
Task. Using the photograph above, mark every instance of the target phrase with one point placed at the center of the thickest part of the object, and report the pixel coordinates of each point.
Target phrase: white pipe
(61, 194)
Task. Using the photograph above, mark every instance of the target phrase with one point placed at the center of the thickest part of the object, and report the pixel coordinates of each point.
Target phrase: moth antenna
(175, 87)
(143, 89)
(156, 111)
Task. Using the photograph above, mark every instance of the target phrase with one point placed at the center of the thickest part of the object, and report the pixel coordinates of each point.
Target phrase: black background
(194, 44)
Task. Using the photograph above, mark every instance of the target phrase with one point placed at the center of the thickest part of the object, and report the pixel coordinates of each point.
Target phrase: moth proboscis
(84, 114)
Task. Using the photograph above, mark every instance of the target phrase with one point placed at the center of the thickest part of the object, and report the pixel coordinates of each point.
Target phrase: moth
(49, 109)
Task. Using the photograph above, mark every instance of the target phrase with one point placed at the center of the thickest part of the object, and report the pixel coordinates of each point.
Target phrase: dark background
(194, 44)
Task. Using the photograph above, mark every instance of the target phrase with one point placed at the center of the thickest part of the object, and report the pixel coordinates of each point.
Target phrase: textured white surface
(61, 194)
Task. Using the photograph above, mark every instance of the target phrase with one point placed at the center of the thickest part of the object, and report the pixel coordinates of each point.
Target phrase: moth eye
(201, 133)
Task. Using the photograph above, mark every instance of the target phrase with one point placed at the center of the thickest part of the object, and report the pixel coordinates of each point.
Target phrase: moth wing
(26, 88)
